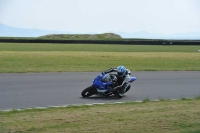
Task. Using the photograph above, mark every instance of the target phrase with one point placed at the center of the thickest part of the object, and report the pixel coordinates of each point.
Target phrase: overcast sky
(83, 16)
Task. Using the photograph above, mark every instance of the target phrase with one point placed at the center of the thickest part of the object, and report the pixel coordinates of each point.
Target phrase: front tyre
(89, 91)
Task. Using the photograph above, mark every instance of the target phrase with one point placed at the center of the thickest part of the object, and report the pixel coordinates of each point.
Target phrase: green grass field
(95, 47)
(182, 116)
(20, 58)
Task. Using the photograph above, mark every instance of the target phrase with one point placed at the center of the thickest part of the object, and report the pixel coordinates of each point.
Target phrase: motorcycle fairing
(101, 86)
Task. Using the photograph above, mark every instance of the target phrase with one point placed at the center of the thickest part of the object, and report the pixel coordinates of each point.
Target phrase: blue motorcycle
(106, 85)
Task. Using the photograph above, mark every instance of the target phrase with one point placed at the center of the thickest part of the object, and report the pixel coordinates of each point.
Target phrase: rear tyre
(118, 95)
(89, 91)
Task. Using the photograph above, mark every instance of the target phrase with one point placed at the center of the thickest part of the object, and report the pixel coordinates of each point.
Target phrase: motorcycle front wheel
(89, 91)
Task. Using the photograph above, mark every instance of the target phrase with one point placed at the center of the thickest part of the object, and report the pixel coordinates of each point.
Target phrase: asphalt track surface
(31, 90)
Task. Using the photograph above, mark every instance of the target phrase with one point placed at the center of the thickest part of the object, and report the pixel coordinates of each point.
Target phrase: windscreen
(106, 78)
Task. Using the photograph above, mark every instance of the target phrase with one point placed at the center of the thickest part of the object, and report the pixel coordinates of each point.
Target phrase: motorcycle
(105, 85)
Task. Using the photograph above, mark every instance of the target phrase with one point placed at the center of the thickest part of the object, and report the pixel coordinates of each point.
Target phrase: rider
(122, 74)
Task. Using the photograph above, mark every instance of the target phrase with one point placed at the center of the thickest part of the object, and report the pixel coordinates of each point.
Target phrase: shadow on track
(102, 98)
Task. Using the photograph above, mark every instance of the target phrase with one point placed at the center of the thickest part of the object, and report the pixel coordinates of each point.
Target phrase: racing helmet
(121, 71)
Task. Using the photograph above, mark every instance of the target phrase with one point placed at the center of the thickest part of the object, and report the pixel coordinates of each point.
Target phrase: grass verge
(179, 116)
(26, 57)
(95, 47)
(12, 61)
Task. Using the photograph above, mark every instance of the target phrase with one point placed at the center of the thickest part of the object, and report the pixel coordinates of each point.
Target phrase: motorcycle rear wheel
(116, 93)
(89, 91)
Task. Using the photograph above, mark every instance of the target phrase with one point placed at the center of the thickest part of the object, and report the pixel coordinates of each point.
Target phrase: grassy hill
(81, 36)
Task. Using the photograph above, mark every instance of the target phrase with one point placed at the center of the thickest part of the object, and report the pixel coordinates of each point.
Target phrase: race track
(54, 89)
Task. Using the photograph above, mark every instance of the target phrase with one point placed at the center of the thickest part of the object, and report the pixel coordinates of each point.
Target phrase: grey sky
(155, 16)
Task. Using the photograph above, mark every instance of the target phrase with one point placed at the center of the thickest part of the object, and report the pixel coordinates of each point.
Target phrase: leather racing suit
(123, 82)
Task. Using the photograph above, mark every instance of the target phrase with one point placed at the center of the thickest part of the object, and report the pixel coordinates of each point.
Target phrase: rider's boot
(121, 91)
(124, 89)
